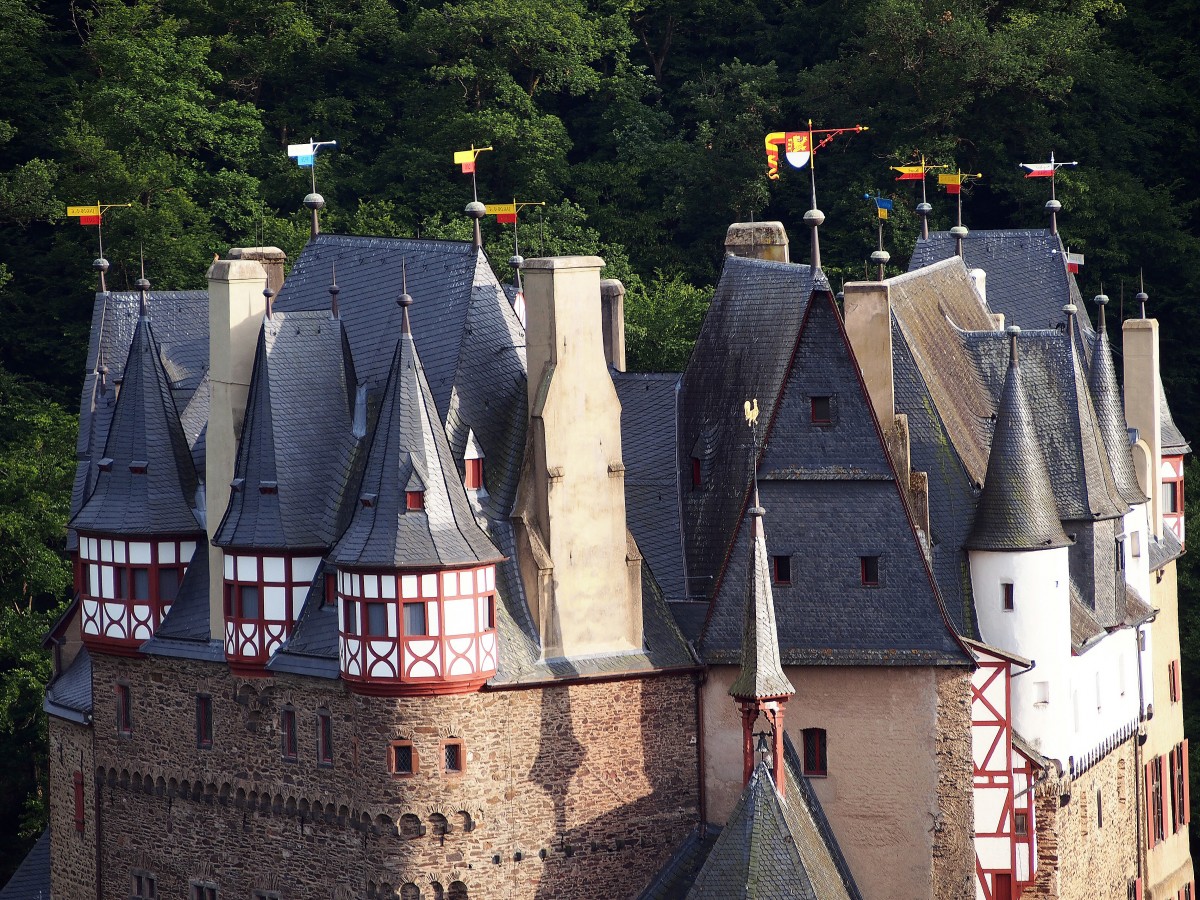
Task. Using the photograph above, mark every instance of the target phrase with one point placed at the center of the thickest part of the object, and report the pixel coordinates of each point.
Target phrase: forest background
(640, 123)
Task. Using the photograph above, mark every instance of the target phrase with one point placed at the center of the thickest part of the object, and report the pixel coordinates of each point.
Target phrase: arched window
(410, 892)
(458, 891)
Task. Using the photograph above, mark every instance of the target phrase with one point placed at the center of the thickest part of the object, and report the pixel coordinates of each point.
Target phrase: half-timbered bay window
(128, 587)
(263, 599)
(409, 632)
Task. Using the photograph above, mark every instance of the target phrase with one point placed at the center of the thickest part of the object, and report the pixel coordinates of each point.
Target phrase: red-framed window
(324, 738)
(402, 758)
(414, 500)
(1180, 787)
(1008, 599)
(204, 721)
(1021, 824)
(143, 577)
(1172, 495)
(814, 760)
(1155, 812)
(263, 596)
(869, 570)
(454, 757)
(287, 733)
(124, 711)
(77, 782)
(781, 569)
(474, 474)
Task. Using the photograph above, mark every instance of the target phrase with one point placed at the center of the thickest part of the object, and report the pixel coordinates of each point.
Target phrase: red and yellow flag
(505, 213)
(466, 158)
(87, 215)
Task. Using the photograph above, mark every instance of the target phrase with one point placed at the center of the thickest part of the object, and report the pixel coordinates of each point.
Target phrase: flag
(1038, 170)
(773, 140)
(796, 149)
(505, 213)
(89, 220)
(952, 183)
(1074, 261)
(78, 211)
(466, 158)
(302, 153)
(910, 173)
(883, 206)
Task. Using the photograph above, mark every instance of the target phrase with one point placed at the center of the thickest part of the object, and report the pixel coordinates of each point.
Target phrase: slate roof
(773, 847)
(648, 442)
(145, 434)
(313, 647)
(1110, 411)
(184, 631)
(742, 353)
(409, 452)
(761, 675)
(1173, 441)
(31, 881)
(69, 696)
(1016, 509)
(1086, 629)
(1164, 549)
(840, 476)
(678, 875)
(295, 468)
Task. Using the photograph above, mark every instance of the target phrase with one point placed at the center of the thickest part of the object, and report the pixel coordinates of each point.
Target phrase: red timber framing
(1171, 474)
(263, 595)
(1005, 850)
(127, 586)
(424, 632)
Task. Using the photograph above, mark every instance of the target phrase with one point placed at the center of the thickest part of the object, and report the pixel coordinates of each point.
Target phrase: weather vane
(918, 173)
(882, 207)
(466, 158)
(1048, 170)
(94, 215)
(953, 185)
(506, 214)
(306, 156)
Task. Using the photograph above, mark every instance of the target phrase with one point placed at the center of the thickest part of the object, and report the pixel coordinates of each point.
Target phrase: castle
(390, 583)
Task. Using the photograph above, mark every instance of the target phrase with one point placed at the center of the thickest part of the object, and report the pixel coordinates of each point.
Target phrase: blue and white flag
(305, 154)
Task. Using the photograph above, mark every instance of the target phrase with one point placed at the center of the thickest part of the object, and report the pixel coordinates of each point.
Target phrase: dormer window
(821, 410)
(474, 474)
(414, 500)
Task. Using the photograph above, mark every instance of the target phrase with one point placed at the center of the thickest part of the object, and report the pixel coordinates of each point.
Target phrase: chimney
(1142, 403)
(758, 240)
(235, 309)
(272, 259)
(581, 570)
(868, 315)
(612, 321)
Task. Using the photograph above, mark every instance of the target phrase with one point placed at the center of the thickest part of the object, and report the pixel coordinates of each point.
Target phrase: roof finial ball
(315, 201)
(269, 295)
(476, 211)
(1012, 331)
(404, 301)
(101, 266)
(143, 285)
(1141, 296)
(924, 210)
(1053, 207)
(1101, 301)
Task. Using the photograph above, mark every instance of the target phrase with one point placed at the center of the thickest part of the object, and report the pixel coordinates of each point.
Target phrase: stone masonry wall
(1078, 858)
(73, 874)
(570, 791)
(953, 847)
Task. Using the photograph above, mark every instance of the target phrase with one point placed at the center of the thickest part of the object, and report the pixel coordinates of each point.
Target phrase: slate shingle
(31, 881)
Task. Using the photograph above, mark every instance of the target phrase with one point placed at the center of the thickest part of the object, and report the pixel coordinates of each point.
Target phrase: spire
(1142, 296)
(410, 455)
(405, 300)
(476, 211)
(1106, 397)
(1016, 509)
(334, 290)
(143, 287)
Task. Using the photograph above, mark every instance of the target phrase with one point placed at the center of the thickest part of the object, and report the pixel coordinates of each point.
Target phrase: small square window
(415, 499)
(815, 762)
(452, 757)
(869, 570)
(287, 733)
(414, 619)
(1009, 601)
(821, 409)
(781, 569)
(377, 619)
(324, 738)
(124, 714)
(204, 721)
(144, 886)
(1021, 824)
(402, 758)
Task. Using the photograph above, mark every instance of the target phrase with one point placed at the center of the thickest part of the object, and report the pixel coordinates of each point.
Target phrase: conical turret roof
(761, 675)
(1110, 412)
(1016, 510)
(409, 452)
(146, 483)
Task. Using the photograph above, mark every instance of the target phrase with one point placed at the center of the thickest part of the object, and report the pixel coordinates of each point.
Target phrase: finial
(814, 218)
(269, 295)
(923, 210)
(143, 286)
(405, 300)
(1101, 301)
(315, 202)
(334, 290)
(476, 211)
(959, 232)
(102, 371)
(1142, 296)
(100, 264)
(1012, 331)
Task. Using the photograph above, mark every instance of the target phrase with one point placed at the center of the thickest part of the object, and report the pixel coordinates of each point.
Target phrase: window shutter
(1150, 829)
(1186, 812)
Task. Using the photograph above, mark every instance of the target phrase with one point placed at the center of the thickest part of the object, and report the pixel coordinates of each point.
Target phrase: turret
(415, 576)
(138, 529)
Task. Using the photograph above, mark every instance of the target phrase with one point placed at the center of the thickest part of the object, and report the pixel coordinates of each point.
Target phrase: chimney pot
(757, 240)
(612, 321)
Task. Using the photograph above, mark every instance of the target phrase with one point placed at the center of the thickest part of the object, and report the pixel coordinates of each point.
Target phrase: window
(204, 721)
(264, 895)
(697, 474)
(168, 585)
(1155, 813)
(202, 890)
(474, 479)
(377, 619)
(1099, 809)
(143, 885)
(1181, 789)
(821, 410)
(1041, 693)
(414, 499)
(814, 752)
(781, 569)
(324, 738)
(1121, 554)
(77, 779)
(414, 619)
(1021, 824)
(1173, 680)
(124, 715)
(1171, 496)
(1009, 602)
(490, 610)
(350, 615)
(287, 733)
(402, 758)
(248, 607)
(452, 757)
(1135, 544)
(869, 567)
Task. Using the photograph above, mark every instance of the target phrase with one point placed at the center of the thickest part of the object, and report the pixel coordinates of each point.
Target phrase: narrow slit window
(815, 761)
(1009, 601)
(204, 721)
(287, 736)
(124, 715)
(324, 738)
(697, 474)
